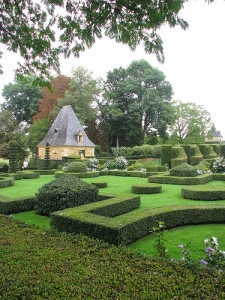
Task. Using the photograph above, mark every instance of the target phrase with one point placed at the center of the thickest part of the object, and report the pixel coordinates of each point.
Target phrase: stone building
(66, 137)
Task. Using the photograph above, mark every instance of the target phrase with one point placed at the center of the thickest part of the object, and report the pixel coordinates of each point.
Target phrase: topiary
(77, 167)
(184, 170)
(64, 192)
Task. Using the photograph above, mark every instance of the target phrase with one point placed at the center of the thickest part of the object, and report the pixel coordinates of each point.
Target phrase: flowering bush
(218, 165)
(215, 258)
(119, 163)
(93, 163)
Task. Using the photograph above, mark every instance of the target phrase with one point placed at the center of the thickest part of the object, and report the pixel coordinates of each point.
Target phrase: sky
(194, 59)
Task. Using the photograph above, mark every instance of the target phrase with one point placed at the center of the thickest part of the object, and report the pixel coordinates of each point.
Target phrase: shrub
(77, 167)
(203, 167)
(93, 163)
(63, 192)
(218, 165)
(119, 163)
(151, 188)
(184, 170)
(202, 192)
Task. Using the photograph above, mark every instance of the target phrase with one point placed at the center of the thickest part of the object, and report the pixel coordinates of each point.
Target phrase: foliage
(29, 28)
(63, 192)
(204, 192)
(10, 130)
(76, 167)
(218, 165)
(203, 167)
(112, 272)
(215, 258)
(37, 132)
(191, 123)
(21, 98)
(93, 163)
(47, 161)
(82, 94)
(13, 157)
(119, 163)
(159, 231)
(184, 170)
(136, 101)
(49, 97)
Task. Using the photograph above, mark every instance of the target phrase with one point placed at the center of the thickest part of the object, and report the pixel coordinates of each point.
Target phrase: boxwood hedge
(151, 188)
(202, 192)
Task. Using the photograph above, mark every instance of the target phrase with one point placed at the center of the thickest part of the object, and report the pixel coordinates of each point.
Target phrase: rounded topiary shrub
(151, 188)
(64, 192)
(77, 167)
(184, 170)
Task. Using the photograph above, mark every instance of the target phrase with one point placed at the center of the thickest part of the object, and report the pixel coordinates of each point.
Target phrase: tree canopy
(21, 98)
(82, 94)
(192, 123)
(40, 32)
(136, 102)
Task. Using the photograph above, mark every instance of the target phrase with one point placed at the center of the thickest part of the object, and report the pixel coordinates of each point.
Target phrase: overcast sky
(195, 59)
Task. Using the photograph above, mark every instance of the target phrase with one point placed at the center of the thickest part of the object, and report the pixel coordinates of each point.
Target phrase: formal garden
(115, 228)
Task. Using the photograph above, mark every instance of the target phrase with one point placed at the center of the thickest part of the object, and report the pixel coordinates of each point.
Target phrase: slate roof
(64, 130)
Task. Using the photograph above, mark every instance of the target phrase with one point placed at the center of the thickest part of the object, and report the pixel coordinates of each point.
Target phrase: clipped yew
(64, 192)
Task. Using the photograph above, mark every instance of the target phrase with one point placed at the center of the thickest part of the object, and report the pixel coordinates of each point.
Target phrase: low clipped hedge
(100, 184)
(218, 176)
(16, 176)
(109, 221)
(96, 219)
(15, 205)
(6, 181)
(167, 179)
(184, 170)
(202, 192)
(78, 175)
(124, 173)
(45, 172)
(29, 175)
(151, 188)
(63, 192)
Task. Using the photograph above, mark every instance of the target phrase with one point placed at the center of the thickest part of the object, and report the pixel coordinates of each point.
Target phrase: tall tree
(136, 102)
(192, 123)
(37, 132)
(48, 100)
(28, 27)
(82, 94)
(12, 131)
(21, 98)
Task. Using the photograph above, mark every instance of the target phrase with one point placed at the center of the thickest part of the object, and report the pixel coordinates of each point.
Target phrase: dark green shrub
(77, 167)
(15, 205)
(166, 179)
(203, 192)
(63, 192)
(184, 170)
(6, 181)
(151, 188)
(3, 167)
(100, 184)
(178, 156)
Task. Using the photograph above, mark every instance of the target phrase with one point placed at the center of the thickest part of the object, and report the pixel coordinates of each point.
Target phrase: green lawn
(171, 194)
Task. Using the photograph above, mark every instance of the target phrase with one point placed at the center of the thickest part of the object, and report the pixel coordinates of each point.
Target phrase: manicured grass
(171, 194)
(25, 187)
(195, 235)
(31, 218)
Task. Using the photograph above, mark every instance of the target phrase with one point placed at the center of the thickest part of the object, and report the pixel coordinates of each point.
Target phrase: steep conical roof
(65, 130)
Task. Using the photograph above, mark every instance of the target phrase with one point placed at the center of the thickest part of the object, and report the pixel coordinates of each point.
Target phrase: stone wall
(57, 152)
